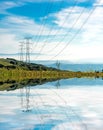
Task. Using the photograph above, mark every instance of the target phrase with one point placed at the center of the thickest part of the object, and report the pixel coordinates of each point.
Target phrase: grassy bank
(18, 74)
(17, 70)
(14, 79)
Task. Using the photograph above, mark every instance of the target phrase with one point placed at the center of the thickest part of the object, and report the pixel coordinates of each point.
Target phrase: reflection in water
(25, 101)
(21, 97)
(69, 111)
(51, 106)
(57, 84)
(12, 84)
(27, 98)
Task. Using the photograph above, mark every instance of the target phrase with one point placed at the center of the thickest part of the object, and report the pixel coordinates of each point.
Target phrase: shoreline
(26, 74)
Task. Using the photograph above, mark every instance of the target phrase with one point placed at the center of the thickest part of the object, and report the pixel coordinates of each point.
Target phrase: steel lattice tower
(21, 51)
(25, 100)
(27, 43)
(58, 65)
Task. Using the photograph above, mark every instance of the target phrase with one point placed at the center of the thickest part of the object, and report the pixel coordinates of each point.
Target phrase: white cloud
(71, 17)
(98, 3)
(25, 25)
(16, 27)
(94, 28)
(75, 53)
(17, 20)
(87, 46)
(11, 4)
(8, 43)
(89, 40)
(7, 5)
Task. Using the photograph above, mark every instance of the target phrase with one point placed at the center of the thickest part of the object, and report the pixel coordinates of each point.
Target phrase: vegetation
(14, 84)
(13, 72)
(10, 63)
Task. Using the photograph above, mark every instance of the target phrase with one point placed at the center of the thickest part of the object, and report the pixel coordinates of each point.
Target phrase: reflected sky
(50, 107)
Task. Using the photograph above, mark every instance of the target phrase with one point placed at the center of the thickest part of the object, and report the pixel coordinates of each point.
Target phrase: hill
(10, 63)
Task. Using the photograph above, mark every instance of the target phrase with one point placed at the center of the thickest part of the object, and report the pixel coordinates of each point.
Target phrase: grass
(24, 71)
(19, 74)
(4, 62)
(4, 86)
(16, 74)
(8, 78)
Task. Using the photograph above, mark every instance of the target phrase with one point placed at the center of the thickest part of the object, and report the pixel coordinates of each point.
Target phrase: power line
(70, 30)
(43, 24)
(75, 33)
(48, 33)
(75, 3)
(84, 126)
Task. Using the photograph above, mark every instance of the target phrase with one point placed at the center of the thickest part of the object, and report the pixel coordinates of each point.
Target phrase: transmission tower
(25, 99)
(58, 65)
(25, 103)
(21, 59)
(21, 51)
(27, 43)
(27, 88)
(57, 84)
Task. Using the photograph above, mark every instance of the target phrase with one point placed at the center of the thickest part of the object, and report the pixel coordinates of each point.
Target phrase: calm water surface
(72, 104)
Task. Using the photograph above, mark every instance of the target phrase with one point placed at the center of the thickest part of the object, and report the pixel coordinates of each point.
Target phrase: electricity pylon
(27, 88)
(58, 67)
(58, 64)
(25, 102)
(27, 43)
(21, 51)
(27, 107)
(21, 59)
(57, 84)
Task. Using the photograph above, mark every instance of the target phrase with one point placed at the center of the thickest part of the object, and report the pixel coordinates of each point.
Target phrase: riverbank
(18, 71)
(25, 74)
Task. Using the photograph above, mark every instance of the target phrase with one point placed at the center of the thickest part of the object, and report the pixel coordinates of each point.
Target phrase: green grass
(18, 74)
(4, 86)
(4, 62)
(22, 72)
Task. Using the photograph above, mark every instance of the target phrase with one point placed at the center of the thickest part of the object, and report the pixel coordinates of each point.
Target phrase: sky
(60, 29)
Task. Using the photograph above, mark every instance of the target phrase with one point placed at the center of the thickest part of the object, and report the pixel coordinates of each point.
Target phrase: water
(71, 104)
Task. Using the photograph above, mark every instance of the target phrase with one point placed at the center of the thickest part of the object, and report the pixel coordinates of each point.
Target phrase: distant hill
(10, 63)
(73, 66)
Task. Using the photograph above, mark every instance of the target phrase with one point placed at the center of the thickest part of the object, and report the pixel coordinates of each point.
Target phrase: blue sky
(60, 29)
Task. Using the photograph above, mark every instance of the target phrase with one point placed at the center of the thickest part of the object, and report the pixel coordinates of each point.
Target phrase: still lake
(70, 104)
